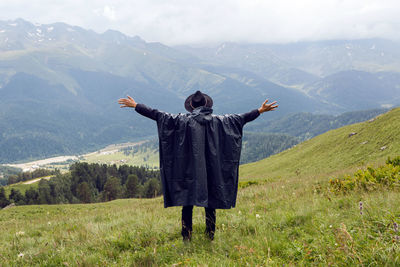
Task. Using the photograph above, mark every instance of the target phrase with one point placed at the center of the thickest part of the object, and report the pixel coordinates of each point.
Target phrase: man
(199, 156)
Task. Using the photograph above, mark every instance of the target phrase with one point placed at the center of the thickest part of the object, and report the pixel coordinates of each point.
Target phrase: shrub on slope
(387, 176)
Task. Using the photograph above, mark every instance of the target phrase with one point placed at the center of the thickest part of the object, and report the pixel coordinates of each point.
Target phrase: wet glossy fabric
(199, 157)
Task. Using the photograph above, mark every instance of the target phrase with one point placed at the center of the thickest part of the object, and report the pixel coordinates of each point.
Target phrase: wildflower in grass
(20, 255)
(361, 208)
(19, 233)
(258, 216)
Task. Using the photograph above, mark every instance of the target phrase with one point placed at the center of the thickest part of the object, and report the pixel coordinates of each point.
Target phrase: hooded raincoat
(199, 156)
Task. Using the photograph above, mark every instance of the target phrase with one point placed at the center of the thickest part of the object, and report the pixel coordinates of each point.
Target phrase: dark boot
(210, 222)
(187, 212)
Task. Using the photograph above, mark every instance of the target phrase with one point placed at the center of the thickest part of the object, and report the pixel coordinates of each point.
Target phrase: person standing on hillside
(199, 156)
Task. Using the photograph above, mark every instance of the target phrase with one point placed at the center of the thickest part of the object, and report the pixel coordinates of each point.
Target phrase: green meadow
(286, 214)
(140, 158)
(22, 186)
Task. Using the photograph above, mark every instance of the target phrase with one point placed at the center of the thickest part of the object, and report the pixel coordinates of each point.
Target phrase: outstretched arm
(142, 109)
(267, 107)
(252, 115)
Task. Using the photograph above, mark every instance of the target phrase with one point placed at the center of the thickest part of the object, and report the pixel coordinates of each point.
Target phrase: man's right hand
(127, 102)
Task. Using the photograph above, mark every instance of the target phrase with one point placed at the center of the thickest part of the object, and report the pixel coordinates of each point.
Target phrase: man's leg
(187, 212)
(210, 222)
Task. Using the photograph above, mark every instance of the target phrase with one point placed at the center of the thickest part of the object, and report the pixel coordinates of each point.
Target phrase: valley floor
(111, 153)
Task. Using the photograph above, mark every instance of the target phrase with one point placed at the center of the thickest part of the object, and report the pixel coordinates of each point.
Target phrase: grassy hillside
(25, 185)
(280, 221)
(334, 151)
(308, 125)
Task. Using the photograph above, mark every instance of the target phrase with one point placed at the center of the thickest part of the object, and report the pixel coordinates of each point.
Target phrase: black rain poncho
(199, 156)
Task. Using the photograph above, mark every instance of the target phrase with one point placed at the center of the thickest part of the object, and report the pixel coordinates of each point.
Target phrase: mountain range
(59, 83)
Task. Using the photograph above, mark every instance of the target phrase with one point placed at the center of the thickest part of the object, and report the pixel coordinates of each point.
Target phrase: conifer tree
(132, 186)
(17, 197)
(112, 189)
(152, 188)
(31, 196)
(83, 192)
(3, 199)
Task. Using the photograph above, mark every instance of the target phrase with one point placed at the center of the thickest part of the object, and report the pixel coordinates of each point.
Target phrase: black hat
(198, 99)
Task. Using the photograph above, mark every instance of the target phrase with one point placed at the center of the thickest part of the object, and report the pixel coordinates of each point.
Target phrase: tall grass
(295, 223)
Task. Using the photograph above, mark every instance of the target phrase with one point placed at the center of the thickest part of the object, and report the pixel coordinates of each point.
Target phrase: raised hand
(128, 102)
(267, 107)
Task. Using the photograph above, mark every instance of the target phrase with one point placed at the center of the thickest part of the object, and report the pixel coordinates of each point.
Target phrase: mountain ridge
(86, 72)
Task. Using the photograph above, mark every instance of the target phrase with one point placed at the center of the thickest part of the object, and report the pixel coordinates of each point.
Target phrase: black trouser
(187, 213)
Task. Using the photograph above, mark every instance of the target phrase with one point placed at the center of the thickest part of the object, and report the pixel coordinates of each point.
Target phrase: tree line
(257, 146)
(5, 172)
(89, 183)
(25, 176)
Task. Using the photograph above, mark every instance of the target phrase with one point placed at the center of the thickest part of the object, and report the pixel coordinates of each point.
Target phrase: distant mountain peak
(119, 37)
(36, 34)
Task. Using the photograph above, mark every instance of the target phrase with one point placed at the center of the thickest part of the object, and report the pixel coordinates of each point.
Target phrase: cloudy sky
(204, 21)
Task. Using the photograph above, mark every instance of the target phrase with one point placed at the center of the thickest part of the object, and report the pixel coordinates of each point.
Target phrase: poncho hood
(202, 114)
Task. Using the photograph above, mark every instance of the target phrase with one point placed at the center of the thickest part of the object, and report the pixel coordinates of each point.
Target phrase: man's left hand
(267, 107)
(128, 102)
